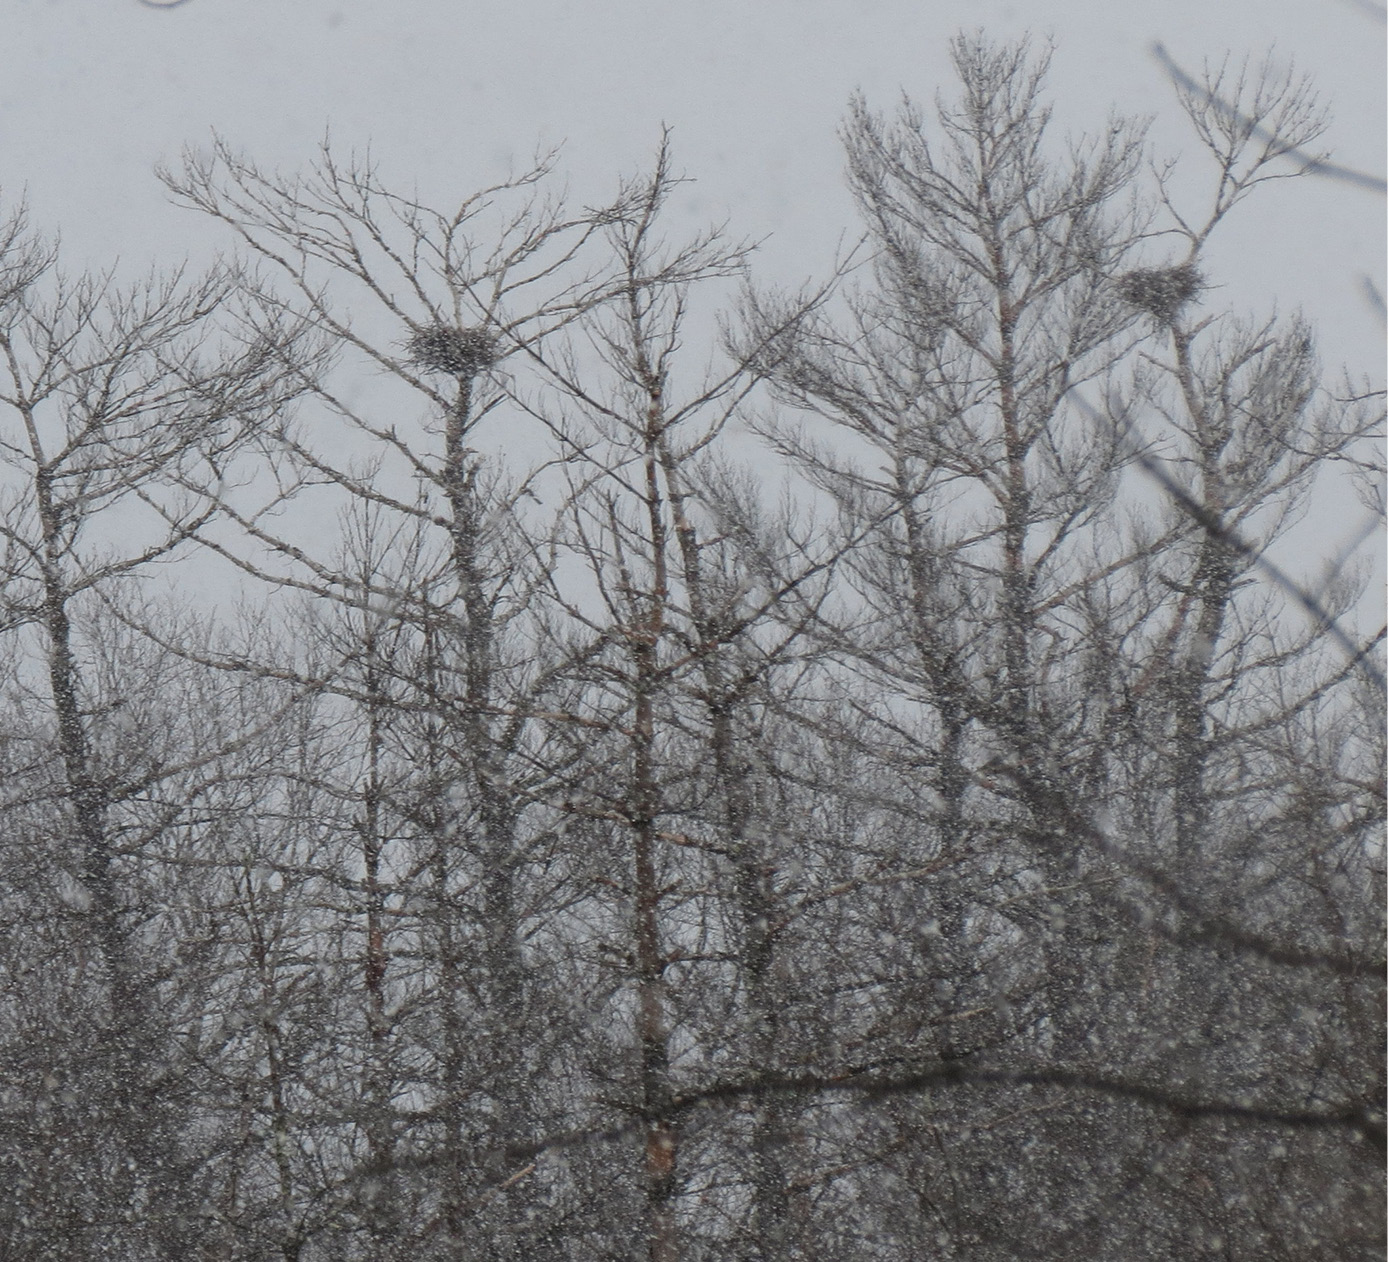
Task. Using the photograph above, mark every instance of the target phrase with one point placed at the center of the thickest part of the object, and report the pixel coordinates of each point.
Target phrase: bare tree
(429, 642)
(1067, 666)
(110, 396)
(671, 639)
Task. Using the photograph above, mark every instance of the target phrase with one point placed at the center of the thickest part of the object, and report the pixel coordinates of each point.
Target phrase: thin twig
(1314, 165)
(1209, 520)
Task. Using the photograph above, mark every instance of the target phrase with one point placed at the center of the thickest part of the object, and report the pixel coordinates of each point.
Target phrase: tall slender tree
(1073, 663)
(110, 397)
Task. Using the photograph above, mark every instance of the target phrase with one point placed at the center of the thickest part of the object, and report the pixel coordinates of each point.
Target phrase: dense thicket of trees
(853, 790)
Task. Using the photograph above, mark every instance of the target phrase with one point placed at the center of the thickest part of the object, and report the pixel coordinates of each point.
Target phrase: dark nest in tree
(1161, 291)
(444, 348)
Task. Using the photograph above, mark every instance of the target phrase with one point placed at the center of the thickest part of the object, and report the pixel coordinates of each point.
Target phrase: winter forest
(522, 741)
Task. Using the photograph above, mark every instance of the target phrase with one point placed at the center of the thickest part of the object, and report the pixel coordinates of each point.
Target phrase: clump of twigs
(1161, 291)
(464, 352)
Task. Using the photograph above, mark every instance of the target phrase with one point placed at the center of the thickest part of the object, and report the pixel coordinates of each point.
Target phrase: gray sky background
(452, 93)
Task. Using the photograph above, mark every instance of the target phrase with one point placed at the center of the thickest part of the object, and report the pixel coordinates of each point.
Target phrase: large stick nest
(464, 352)
(1161, 291)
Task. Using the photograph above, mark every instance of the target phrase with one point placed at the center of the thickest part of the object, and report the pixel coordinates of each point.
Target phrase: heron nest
(1161, 291)
(444, 348)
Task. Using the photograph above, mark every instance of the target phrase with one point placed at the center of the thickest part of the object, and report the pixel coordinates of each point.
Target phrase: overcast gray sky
(449, 92)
